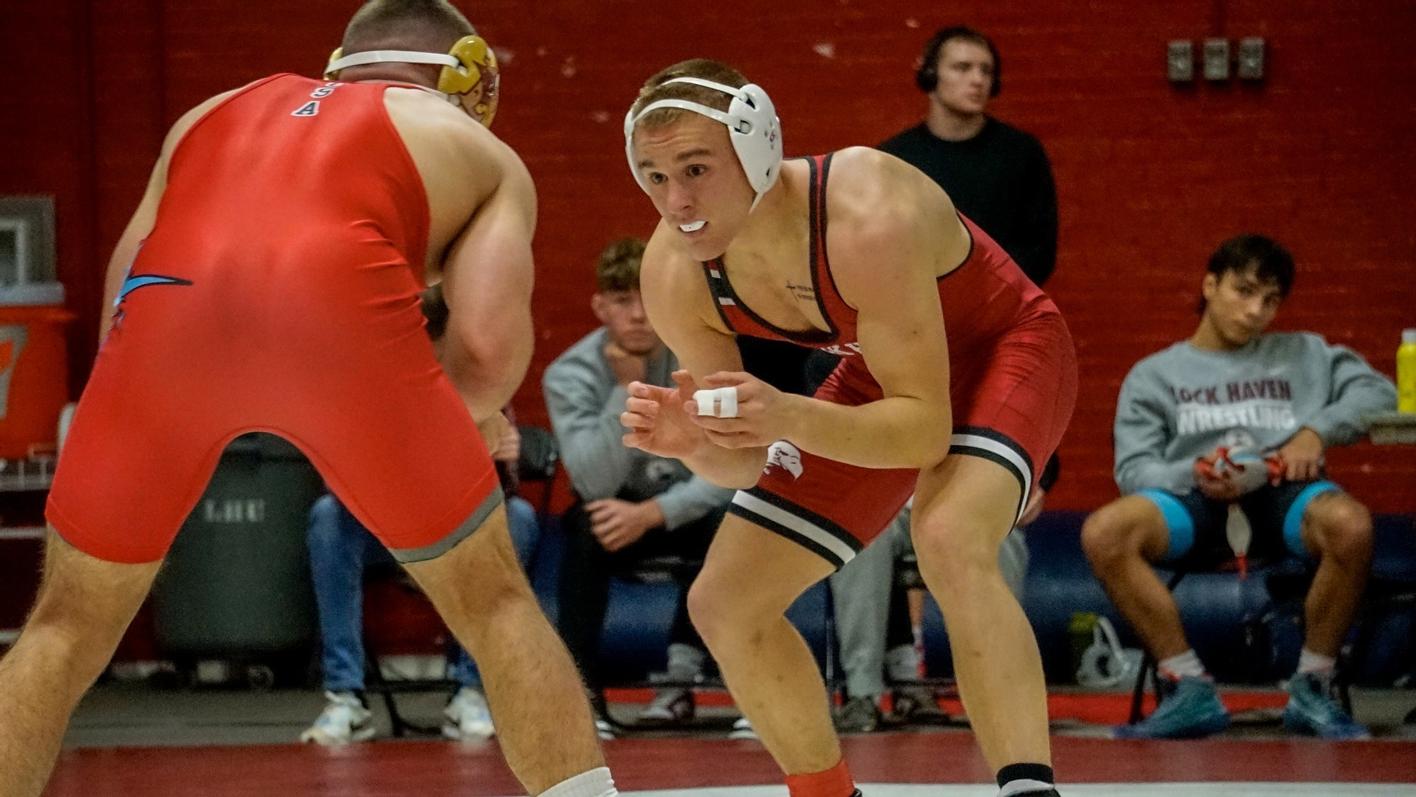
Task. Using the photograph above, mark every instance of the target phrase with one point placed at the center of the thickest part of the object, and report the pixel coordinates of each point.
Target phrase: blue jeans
(340, 550)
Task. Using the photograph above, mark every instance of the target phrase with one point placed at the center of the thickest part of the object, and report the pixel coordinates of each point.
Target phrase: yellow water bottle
(1406, 372)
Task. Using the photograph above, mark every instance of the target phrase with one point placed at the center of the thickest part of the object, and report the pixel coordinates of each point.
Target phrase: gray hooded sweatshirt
(1181, 403)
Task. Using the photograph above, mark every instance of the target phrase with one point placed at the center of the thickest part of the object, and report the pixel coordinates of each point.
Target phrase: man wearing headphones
(269, 280)
(859, 254)
(997, 175)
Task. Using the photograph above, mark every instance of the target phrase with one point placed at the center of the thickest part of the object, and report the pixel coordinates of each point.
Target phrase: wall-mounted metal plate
(1250, 63)
(1180, 60)
(1216, 59)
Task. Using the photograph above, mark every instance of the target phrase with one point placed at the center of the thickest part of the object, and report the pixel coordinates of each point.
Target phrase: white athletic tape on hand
(719, 402)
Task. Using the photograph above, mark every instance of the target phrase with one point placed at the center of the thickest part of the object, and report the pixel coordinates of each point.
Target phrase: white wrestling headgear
(752, 124)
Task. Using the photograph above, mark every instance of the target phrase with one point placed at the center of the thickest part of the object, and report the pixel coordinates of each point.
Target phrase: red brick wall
(1150, 177)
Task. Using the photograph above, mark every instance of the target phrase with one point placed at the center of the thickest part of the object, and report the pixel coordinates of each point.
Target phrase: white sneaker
(343, 720)
(604, 729)
(467, 717)
(742, 729)
(669, 707)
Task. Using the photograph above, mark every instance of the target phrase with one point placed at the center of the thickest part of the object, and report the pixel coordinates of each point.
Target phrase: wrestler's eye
(696, 170)
(657, 178)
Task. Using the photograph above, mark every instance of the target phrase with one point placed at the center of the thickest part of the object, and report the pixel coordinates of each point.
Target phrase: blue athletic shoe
(1312, 711)
(1189, 709)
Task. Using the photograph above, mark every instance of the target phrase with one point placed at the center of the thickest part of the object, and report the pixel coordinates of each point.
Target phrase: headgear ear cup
(330, 73)
(753, 128)
(469, 64)
(477, 66)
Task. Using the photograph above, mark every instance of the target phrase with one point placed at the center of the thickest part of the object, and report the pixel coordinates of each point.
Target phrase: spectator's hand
(1034, 507)
(1217, 485)
(657, 421)
(626, 367)
(508, 448)
(617, 523)
(1302, 456)
(762, 412)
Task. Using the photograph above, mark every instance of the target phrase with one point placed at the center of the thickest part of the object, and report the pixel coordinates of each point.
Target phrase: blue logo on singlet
(134, 281)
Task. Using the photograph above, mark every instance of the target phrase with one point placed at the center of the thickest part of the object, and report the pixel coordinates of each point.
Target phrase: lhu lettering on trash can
(234, 510)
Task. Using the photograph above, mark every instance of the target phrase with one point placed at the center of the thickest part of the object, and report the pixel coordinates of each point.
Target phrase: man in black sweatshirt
(996, 174)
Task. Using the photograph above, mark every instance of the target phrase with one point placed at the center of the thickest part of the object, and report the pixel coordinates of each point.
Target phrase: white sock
(1315, 663)
(1182, 665)
(595, 783)
(902, 663)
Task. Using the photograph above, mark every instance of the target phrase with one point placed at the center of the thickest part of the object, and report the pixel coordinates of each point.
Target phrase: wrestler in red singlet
(285, 301)
(1012, 384)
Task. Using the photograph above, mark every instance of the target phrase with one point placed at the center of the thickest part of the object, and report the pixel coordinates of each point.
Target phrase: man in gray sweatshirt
(631, 505)
(1274, 402)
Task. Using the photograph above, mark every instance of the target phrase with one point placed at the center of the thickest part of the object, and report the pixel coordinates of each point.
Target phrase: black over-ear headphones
(927, 77)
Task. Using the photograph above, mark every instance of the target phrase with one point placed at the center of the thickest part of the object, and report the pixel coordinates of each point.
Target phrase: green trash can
(236, 585)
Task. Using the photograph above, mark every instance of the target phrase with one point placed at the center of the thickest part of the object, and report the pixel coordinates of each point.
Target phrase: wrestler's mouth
(692, 226)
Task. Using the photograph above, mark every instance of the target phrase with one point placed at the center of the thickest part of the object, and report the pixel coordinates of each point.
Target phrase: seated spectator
(341, 550)
(876, 631)
(1272, 403)
(629, 505)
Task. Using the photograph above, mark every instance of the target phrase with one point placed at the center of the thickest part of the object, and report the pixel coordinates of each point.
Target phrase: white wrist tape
(719, 402)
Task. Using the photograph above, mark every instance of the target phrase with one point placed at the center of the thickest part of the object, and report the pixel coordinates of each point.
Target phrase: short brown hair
(618, 267)
(424, 25)
(704, 68)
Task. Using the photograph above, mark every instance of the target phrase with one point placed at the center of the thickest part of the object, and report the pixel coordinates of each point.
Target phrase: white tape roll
(719, 402)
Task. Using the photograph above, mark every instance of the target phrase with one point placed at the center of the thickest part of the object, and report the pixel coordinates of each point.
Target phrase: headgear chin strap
(752, 125)
(469, 64)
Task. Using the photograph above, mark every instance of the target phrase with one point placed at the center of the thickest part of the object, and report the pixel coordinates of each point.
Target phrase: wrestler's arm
(145, 217)
(487, 280)
(883, 259)
(679, 306)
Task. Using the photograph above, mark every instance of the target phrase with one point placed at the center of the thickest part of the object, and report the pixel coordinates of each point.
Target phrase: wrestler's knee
(78, 636)
(708, 606)
(724, 613)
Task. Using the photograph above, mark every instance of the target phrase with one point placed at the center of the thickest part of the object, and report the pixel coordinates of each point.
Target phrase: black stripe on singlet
(721, 288)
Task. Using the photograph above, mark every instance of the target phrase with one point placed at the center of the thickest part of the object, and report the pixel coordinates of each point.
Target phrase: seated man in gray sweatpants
(873, 624)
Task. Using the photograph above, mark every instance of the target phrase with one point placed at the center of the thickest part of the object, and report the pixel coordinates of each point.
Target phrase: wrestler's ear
(1209, 286)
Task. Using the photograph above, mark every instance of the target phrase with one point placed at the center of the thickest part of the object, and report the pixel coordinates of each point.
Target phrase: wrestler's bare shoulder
(427, 120)
(867, 184)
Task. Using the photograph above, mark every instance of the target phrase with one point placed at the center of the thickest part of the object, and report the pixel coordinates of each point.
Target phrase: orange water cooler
(33, 367)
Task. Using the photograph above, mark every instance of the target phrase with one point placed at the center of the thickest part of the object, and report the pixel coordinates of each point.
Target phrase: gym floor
(131, 738)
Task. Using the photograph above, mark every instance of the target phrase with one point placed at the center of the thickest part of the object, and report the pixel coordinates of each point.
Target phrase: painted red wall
(1150, 176)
